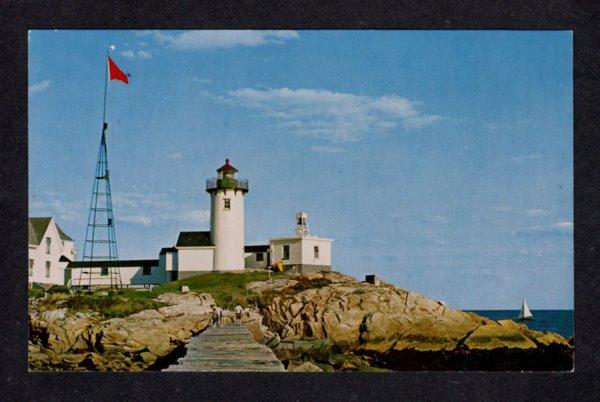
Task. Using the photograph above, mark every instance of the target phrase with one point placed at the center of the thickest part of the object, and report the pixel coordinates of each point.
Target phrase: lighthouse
(227, 193)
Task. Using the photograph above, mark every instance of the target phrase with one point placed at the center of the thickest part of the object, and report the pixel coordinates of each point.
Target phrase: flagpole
(105, 92)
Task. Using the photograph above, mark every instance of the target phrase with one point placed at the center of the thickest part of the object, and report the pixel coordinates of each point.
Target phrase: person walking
(215, 316)
(219, 315)
(238, 314)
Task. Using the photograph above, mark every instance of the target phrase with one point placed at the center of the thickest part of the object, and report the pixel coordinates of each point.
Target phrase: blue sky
(439, 160)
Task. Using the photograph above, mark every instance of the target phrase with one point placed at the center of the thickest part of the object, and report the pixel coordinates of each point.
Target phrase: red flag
(115, 73)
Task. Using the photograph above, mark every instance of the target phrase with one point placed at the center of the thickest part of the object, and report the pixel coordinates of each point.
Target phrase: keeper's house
(50, 250)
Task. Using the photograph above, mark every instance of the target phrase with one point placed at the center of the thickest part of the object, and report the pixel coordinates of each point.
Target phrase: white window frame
(316, 252)
(227, 204)
(283, 252)
(48, 266)
(48, 244)
(31, 263)
(261, 257)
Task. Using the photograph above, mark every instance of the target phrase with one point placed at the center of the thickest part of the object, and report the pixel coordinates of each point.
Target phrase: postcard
(300, 201)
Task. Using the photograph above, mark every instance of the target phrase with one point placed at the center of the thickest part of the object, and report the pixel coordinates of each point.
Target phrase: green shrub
(36, 293)
(58, 289)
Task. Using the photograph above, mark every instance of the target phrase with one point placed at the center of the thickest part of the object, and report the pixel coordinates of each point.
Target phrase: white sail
(525, 312)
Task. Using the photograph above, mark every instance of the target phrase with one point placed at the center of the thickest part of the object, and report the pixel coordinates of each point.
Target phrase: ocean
(559, 321)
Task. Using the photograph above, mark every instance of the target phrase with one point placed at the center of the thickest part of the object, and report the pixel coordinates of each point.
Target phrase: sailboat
(525, 313)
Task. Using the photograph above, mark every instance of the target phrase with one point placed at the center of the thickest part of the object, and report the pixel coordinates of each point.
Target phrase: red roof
(226, 167)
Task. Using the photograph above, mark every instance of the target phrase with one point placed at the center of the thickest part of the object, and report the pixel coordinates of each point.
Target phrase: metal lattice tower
(100, 239)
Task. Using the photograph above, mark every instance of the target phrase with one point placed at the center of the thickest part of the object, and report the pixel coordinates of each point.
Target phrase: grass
(227, 288)
(108, 306)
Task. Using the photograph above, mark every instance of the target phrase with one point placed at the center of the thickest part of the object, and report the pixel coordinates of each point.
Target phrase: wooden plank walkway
(229, 347)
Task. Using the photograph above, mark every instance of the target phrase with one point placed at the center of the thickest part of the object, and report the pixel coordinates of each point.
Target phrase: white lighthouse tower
(227, 218)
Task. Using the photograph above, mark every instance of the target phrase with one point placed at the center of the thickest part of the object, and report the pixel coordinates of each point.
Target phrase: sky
(440, 161)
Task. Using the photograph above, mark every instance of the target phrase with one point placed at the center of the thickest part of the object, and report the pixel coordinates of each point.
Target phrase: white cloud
(555, 228)
(128, 54)
(523, 158)
(154, 209)
(326, 150)
(563, 225)
(196, 216)
(438, 219)
(335, 116)
(40, 86)
(142, 220)
(536, 212)
(61, 210)
(175, 155)
(501, 209)
(140, 54)
(214, 39)
(143, 54)
(199, 79)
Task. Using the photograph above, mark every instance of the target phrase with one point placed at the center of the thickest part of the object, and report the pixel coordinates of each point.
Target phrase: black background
(16, 17)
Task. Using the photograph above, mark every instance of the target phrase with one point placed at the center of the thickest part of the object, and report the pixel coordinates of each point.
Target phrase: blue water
(559, 321)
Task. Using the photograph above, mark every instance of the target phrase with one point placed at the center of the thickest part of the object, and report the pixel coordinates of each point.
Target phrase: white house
(50, 250)
(257, 257)
(119, 273)
(302, 252)
(193, 253)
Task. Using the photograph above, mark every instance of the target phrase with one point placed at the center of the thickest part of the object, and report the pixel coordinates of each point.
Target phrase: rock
(148, 357)
(338, 277)
(374, 320)
(52, 315)
(146, 315)
(186, 298)
(185, 289)
(93, 361)
(274, 341)
(497, 336)
(307, 367)
(184, 309)
(310, 276)
(272, 285)
(318, 349)
(84, 342)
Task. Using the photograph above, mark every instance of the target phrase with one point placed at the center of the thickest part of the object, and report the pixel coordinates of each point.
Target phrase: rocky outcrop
(328, 319)
(384, 323)
(63, 341)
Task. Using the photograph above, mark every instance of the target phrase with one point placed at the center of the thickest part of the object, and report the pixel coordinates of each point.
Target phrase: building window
(30, 267)
(299, 221)
(286, 252)
(259, 256)
(48, 242)
(316, 252)
(104, 271)
(47, 269)
(227, 203)
(147, 271)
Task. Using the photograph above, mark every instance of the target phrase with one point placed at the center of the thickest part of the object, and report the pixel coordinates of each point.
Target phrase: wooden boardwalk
(226, 348)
